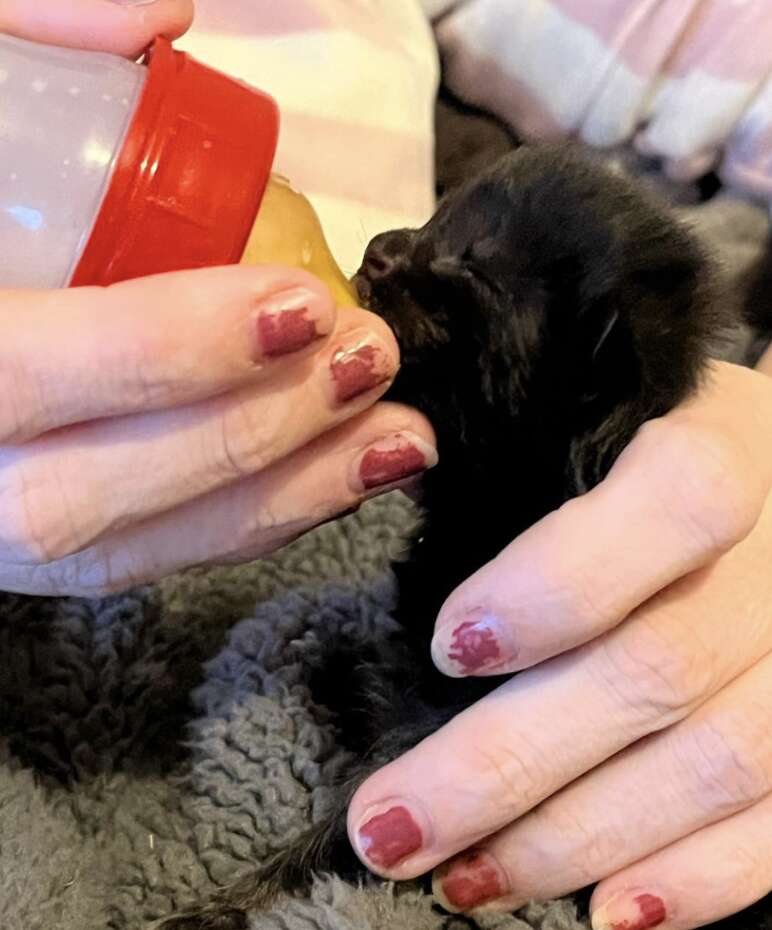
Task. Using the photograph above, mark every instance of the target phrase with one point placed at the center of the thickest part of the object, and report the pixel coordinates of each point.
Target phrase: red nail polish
(474, 645)
(393, 459)
(286, 331)
(471, 881)
(651, 913)
(388, 838)
(357, 370)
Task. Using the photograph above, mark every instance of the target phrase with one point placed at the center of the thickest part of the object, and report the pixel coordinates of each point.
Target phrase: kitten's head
(547, 294)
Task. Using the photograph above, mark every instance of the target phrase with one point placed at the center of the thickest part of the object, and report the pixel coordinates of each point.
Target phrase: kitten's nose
(386, 253)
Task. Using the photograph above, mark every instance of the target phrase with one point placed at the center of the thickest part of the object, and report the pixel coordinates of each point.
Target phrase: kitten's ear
(450, 268)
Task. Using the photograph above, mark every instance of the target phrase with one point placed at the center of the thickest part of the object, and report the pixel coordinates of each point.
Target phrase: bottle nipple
(287, 231)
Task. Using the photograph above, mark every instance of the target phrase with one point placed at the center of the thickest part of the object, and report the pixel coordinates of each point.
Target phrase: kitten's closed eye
(547, 280)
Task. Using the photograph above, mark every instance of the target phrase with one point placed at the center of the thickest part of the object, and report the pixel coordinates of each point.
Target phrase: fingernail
(359, 366)
(394, 458)
(468, 882)
(390, 837)
(290, 321)
(476, 643)
(629, 910)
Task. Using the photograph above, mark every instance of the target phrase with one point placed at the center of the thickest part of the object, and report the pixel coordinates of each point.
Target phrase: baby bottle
(111, 169)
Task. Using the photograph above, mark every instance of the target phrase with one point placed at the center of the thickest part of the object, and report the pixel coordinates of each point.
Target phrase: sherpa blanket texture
(158, 743)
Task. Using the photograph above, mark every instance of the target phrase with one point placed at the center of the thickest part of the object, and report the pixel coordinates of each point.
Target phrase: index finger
(689, 486)
(124, 27)
(156, 343)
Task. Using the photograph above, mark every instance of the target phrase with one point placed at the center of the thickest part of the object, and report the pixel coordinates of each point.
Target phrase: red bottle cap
(189, 179)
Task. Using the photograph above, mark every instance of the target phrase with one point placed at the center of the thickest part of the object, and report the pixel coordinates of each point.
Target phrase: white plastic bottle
(111, 169)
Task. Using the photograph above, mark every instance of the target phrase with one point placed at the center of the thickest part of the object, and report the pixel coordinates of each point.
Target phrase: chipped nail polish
(359, 368)
(468, 882)
(286, 331)
(474, 645)
(626, 911)
(395, 458)
(390, 837)
(288, 322)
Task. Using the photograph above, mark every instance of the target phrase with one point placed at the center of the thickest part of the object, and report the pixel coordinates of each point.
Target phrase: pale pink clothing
(689, 80)
(356, 82)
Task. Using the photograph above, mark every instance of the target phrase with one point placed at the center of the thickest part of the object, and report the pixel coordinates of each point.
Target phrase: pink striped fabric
(691, 80)
(355, 81)
(642, 33)
(379, 165)
(728, 40)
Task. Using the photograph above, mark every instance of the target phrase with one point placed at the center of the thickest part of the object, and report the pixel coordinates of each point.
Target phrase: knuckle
(37, 526)
(723, 765)
(703, 479)
(18, 415)
(267, 525)
(597, 857)
(245, 436)
(573, 588)
(515, 774)
(270, 521)
(588, 849)
(657, 671)
(142, 387)
(144, 366)
(152, 369)
(589, 608)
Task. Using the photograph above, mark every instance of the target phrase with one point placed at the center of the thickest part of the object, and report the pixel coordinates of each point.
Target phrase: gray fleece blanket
(158, 743)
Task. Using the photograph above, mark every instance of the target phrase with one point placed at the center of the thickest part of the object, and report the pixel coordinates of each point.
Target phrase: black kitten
(546, 311)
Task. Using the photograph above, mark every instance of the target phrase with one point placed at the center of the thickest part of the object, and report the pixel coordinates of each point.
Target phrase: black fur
(546, 311)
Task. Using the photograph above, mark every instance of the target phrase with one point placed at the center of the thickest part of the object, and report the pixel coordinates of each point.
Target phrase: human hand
(169, 421)
(173, 421)
(634, 749)
(124, 27)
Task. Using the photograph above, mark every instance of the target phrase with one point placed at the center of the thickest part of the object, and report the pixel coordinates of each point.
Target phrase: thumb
(124, 27)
